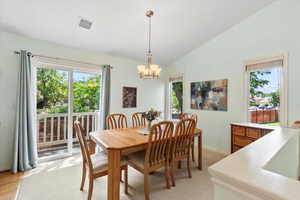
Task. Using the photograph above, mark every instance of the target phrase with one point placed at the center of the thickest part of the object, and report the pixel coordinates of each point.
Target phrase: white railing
(52, 129)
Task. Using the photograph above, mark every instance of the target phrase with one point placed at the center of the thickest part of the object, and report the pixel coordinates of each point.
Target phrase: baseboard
(4, 170)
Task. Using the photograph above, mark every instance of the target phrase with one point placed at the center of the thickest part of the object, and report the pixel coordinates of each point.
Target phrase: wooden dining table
(118, 142)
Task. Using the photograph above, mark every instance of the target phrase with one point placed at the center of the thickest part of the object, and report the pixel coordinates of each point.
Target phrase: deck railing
(52, 129)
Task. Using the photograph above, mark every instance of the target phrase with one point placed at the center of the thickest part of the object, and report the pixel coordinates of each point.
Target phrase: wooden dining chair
(116, 121)
(138, 119)
(195, 117)
(156, 155)
(189, 115)
(96, 165)
(181, 145)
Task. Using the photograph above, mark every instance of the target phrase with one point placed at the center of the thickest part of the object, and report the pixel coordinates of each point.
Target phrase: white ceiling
(120, 26)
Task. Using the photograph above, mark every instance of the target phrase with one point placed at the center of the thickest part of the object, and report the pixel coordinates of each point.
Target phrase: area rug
(60, 180)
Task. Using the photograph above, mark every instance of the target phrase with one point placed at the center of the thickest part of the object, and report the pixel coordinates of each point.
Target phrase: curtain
(25, 146)
(105, 96)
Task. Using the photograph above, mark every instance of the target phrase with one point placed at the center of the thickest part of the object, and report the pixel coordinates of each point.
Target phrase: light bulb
(154, 67)
(141, 68)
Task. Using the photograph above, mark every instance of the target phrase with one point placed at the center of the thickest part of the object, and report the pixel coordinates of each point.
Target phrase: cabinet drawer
(235, 148)
(265, 132)
(238, 130)
(241, 141)
(253, 133)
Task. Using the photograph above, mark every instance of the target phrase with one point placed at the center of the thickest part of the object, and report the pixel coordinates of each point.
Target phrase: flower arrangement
(151, 115)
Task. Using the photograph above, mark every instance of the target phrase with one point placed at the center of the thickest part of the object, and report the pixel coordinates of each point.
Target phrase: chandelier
(149, 70)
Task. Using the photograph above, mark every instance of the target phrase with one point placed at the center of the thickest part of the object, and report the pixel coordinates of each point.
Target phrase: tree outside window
(177, 99)
(52, 91)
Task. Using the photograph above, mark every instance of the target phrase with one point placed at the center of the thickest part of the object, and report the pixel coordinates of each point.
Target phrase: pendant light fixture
(149, 70)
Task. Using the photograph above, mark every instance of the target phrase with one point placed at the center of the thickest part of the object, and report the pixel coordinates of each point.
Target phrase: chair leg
(146, 186)
(193, 150)
(167, 176)
(126, 180)
(91, 186)
(172, 174)
(179, 164)
(83, 176)
(121, 180)
(189, 167)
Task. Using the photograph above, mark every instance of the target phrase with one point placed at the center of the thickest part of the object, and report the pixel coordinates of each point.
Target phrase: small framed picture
(129, 97)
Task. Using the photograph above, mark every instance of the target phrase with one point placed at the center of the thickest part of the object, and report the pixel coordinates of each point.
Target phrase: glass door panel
(86, 97)
(52, 111)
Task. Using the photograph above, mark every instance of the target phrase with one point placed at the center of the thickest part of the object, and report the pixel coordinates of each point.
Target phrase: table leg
(200, 151)
(113, 183)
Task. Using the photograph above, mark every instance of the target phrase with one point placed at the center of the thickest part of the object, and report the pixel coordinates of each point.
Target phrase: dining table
(119, 142)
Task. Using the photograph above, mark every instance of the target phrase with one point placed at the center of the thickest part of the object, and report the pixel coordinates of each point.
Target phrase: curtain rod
(56, 58)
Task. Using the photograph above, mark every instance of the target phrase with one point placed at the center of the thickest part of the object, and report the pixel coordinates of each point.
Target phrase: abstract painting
(209, 95)
(129, 97)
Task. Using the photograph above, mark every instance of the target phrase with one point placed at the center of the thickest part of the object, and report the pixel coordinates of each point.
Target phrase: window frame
(283, 114)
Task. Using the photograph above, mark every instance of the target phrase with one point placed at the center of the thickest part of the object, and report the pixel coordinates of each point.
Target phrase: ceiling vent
(86, 24)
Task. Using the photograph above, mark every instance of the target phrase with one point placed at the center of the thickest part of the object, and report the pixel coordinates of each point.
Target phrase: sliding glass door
(64, 96)
(86, 96)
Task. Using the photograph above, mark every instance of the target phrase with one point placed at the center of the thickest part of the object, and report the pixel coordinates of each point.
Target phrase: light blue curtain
(105, 96)
(25, 146)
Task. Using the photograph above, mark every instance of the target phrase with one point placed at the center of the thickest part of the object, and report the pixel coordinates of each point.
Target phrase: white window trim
(283, 116)
(65, 64)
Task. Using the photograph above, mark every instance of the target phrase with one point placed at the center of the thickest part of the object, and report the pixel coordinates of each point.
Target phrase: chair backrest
(116, 121)
(84, 147)
(158, 149)
(138, 119)
(184, 132)
(189, 115)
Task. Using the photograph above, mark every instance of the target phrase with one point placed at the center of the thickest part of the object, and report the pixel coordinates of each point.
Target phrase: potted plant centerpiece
(150, 116)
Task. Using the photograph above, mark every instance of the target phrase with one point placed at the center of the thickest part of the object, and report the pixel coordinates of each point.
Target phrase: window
(176, 97)
(266, 91)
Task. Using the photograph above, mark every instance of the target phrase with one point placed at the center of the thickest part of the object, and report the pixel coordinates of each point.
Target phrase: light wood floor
(9, 185)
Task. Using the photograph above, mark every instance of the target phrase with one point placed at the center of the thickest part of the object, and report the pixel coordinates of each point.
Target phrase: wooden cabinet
(242, 135)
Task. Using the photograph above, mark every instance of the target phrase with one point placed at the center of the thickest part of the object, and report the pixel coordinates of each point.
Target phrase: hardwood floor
(9, 185)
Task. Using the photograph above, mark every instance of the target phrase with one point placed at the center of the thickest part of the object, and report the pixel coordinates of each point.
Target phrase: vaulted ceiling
(120, 27)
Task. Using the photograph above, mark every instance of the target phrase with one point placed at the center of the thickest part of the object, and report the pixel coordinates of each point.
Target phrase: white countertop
(245, 168)
(253, 125)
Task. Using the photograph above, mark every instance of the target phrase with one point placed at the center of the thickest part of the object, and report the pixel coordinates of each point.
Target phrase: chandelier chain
(149, 47)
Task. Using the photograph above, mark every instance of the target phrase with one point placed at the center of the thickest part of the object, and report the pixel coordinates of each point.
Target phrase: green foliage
(52, 88)
(256, 83)
(56, 109)
(86, 95)
(275, 98)
(177, 89)
(52, 95)
(252, 103)
(175, 102)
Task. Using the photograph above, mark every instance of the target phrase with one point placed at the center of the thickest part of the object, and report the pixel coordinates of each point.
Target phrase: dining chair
(156, 155)
(138, 119)
(181, 145)
(96, 165)
(116, 121)
(189, 115)
(195, 117)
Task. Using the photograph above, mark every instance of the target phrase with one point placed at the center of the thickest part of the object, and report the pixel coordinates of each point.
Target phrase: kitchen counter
(271, 174)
